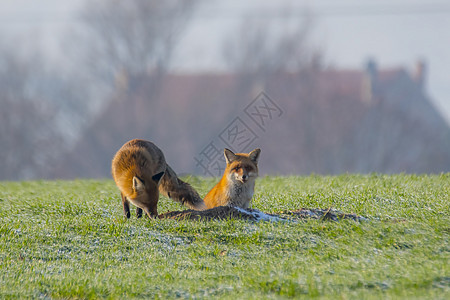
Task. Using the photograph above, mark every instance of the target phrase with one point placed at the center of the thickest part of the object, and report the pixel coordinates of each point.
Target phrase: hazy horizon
(394, 33)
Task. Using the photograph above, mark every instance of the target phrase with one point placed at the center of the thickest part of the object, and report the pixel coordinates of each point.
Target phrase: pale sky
(393, 32)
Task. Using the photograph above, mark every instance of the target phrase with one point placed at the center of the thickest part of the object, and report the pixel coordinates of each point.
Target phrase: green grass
(68, 239)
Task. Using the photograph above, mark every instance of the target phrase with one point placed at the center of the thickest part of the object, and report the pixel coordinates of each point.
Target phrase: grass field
(68, 239)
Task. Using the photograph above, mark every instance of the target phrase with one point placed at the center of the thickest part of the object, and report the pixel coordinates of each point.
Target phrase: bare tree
(128, 39)
(29, 135)
(260, 46)
(268, 55)
(126, 47)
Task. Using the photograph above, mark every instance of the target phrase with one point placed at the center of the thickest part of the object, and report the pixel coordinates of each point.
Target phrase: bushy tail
(176, 189)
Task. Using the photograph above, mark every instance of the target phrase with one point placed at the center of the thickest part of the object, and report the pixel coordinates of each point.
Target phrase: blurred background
(320, 86)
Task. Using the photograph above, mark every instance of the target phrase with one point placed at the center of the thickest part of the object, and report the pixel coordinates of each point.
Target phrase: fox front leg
(126, 206)
(138, 212)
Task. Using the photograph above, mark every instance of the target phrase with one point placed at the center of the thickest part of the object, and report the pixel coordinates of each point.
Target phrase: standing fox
(238, 181)
(141, 172)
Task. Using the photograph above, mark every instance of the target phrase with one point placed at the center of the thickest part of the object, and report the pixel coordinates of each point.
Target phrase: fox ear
(254, 155)
(158, 176)
(138, 185)
(229, 155)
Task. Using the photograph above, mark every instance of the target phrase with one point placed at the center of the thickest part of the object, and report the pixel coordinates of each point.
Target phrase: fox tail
(176, 189)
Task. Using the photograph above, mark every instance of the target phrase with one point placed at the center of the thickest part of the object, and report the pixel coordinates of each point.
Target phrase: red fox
(238, 181)
(140, 172)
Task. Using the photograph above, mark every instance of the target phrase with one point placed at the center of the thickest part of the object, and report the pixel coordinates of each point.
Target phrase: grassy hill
(68, 239)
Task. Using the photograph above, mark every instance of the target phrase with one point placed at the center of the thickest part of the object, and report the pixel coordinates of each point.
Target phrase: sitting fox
(140, 172)
(238, 181)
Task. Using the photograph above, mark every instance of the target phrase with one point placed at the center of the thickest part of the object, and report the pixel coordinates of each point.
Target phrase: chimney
(370, 81)
(419, 73)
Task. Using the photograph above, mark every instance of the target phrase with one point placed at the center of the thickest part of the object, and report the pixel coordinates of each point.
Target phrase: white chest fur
(240, 194)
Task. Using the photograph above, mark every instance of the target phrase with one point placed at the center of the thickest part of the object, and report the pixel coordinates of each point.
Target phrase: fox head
(147, 192)
(242, 167)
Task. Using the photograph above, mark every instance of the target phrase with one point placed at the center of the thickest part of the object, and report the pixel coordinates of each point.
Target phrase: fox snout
(242, 178)
(242, 175)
